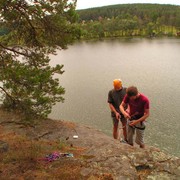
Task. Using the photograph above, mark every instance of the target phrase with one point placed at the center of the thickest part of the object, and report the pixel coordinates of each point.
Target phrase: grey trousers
(131, 131)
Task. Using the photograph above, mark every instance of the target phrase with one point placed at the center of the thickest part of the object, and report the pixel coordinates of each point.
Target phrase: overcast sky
(83, 4)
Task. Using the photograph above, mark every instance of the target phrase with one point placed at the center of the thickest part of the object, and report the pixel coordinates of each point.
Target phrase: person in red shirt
(138, 112)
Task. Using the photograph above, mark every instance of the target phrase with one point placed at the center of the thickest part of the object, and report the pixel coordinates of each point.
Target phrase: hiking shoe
(123, 141)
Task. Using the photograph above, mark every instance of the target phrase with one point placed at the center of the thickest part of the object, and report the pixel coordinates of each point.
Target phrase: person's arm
(114, 110)
(143, 118)
(123, 110)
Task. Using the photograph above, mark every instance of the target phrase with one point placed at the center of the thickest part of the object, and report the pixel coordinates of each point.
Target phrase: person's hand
(126, 115)
(118, 116)
(133, 122)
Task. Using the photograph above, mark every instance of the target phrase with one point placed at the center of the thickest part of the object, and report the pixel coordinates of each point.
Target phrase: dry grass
(24, 159)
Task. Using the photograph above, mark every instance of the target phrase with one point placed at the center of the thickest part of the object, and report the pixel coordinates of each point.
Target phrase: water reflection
(150, 64)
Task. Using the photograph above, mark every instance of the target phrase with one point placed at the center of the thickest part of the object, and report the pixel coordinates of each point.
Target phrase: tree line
(130, 20)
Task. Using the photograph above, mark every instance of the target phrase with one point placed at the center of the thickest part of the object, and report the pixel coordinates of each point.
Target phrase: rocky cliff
(102, 156)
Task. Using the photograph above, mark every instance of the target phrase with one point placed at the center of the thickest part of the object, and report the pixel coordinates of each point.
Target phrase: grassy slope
(23, 160)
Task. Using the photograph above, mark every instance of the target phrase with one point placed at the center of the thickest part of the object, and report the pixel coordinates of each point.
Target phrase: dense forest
(130, 20)
(125, 20)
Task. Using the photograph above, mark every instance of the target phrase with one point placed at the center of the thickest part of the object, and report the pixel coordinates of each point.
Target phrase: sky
(84, 4)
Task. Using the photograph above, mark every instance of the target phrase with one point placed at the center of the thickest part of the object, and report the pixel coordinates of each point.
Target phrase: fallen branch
(44, 134)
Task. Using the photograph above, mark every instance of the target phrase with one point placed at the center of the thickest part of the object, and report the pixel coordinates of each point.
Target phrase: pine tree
(32, 30)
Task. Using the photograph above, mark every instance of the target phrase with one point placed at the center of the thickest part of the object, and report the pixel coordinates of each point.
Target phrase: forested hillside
(130, 20)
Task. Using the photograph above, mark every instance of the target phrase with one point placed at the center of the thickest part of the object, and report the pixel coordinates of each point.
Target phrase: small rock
(160, 156)
(161, 176)
(86, 171)
(3, 146)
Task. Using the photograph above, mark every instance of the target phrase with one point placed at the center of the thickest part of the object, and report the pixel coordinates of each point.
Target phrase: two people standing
(133, 109)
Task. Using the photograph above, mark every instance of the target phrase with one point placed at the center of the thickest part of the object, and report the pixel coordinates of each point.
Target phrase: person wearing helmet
(115, 97)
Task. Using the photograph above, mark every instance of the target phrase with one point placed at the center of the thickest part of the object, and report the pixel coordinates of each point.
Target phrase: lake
(153, 65)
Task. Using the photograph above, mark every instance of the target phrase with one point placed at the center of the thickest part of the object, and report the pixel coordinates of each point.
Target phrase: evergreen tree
(131, 20)
(35, 29)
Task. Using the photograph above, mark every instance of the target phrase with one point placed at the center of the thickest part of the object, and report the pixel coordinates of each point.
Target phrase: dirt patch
(28, 145)
(25, 158)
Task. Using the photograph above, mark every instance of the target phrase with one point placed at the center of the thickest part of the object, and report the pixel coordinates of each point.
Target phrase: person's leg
(124, 125)
(140, 138)
(130, 134)
(115, 132)
(142, 146)
(115, 128)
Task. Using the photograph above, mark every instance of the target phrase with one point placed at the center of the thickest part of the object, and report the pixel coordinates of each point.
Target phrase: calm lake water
(153, 65)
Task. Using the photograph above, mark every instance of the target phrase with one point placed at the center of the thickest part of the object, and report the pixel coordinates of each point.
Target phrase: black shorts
(116, 122)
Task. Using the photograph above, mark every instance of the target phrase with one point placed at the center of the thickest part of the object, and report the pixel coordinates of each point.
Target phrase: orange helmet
(117, 83)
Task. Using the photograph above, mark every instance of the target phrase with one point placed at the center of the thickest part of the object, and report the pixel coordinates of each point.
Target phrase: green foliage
(129, 20)
(143, 12)
(35, 29)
